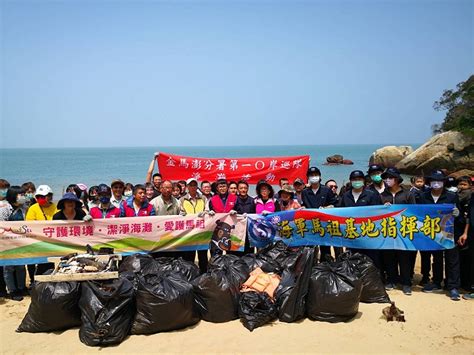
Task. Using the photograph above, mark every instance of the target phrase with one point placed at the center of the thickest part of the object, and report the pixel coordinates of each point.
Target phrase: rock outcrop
(451, 150)
(390, 155)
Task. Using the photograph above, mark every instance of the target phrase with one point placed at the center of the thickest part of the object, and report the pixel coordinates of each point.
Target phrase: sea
(59, 167)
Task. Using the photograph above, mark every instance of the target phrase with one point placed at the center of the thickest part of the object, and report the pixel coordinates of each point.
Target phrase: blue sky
(145, 73)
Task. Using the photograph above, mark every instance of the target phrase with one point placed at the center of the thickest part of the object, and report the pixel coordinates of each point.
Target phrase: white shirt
(356, 195)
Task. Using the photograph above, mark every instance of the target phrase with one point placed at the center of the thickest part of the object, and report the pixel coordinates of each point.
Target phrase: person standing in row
(318, 196)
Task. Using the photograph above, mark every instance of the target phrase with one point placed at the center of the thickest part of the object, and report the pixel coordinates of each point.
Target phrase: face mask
(357, 184)
(127, 193)
(452, 189)
(42, 200)
(376, 178)
(3, 193)
(30, 196)
(389, 182)
(436, 185)
(104, 199)
(21, 200)
(314, 179)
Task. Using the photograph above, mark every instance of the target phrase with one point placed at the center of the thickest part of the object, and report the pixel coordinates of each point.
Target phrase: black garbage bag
(263, 262)
(135, 263)
(164, 265)
(256, 309)
(291, 294)
(334, 292)
(107, 310)
(54, 306)
(164, 302)
(373, 289)
(217, 292)
(280, 253)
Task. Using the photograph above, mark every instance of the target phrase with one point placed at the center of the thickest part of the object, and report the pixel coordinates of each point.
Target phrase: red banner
(252, 170)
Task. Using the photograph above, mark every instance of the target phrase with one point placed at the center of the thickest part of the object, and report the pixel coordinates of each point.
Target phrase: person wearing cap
(358, 195)
(264, 202)
(193, 203)
(375, 173)
(318, 196)
(299, 186)
(70, 208)
(105, 209)
(287, 200)
(118, 198)
(438, 195)
(222, 202)
(397, 263)
(44, 209)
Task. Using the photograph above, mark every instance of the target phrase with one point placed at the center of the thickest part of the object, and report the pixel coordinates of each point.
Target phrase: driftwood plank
(78, 276)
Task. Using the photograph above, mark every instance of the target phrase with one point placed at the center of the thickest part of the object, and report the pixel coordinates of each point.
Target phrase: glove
(182, 213)
(233, 212)
(455, 212)
(87, 218)
(244, 215)
(264, 213)
(211, 213)
(388, 204)
(201, 214)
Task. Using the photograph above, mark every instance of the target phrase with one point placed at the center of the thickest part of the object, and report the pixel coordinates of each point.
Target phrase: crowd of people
(452, 268)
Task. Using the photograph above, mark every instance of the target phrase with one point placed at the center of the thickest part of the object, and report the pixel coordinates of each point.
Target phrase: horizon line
(212, 146)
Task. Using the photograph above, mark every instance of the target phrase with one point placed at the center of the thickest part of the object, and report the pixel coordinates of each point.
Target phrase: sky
(190, 73)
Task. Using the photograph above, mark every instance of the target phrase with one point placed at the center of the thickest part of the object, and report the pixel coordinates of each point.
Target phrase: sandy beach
(434, 324)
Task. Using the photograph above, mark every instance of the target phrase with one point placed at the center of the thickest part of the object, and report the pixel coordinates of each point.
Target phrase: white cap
(191, 180)
(43, 190)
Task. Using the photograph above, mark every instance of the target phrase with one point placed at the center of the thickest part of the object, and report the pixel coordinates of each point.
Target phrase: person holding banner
(244, 205)
(438, 195)
(43, 210)
(105, 209)
(318, 196)
(222, 202)
(14, 210)
(358, 195)
(70, 209)
(265, 203)
(193, 203)
(287, 200)
(395, 194)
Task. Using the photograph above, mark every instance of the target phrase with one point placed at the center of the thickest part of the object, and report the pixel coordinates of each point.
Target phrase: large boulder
(390, 155)
(335, 159)
(463, 172)
(451, 150)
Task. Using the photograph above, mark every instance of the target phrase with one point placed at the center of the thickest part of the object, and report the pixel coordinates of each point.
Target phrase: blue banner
(403, 227)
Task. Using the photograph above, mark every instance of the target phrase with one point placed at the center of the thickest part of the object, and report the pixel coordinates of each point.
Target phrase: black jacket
(245, 206)
(366, 198)
(445, 197)
(324, 197)
(402, 197)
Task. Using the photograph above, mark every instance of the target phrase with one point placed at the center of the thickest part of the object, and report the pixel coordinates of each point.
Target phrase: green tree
(459, 104)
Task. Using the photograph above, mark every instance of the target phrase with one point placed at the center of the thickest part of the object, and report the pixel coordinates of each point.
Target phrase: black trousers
(3, 286)
(453, 270)
(398, 265)
(203, 260)
(466, 265)
(437, 265)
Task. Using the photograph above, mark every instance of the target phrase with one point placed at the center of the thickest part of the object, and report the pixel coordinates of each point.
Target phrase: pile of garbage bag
(166, 294)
